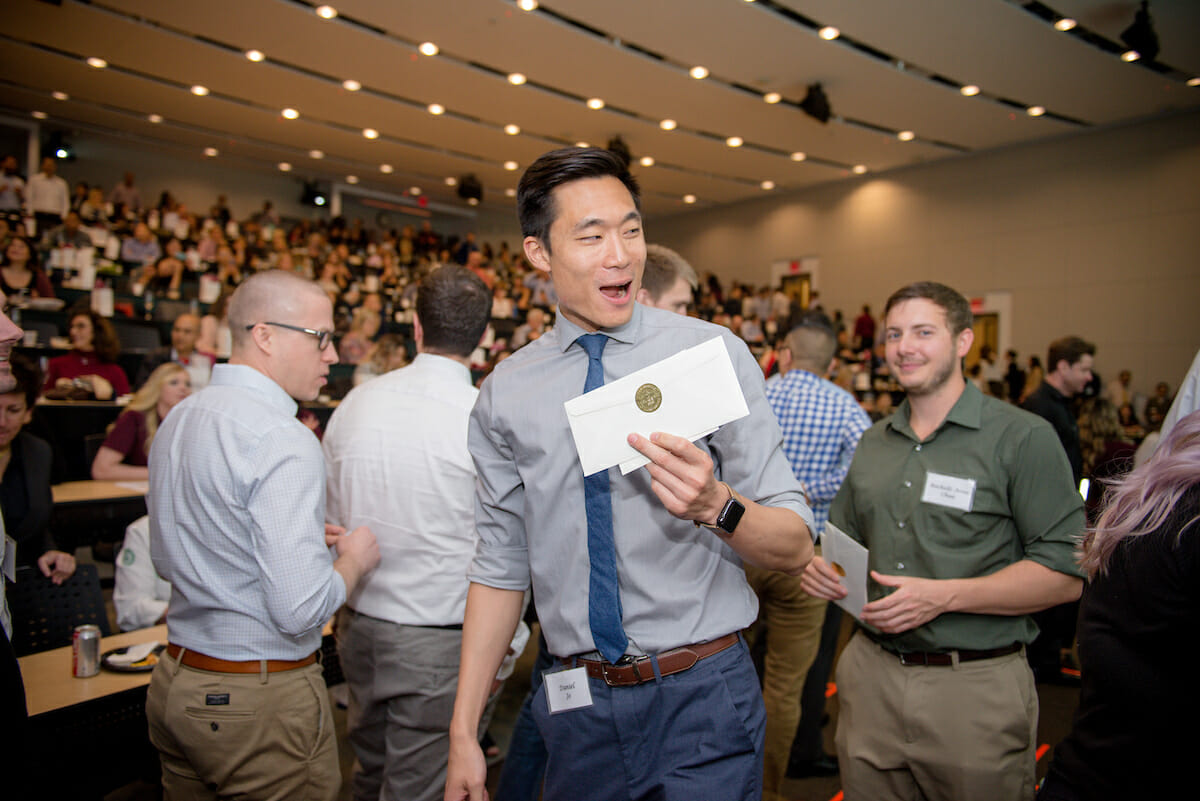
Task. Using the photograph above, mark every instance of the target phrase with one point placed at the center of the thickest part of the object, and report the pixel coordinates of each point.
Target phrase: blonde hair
(145, 400)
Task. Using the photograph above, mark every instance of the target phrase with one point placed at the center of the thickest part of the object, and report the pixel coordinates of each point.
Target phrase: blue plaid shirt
(821, 424)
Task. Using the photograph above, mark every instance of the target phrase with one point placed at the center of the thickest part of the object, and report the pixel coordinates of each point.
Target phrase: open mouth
(616, 292)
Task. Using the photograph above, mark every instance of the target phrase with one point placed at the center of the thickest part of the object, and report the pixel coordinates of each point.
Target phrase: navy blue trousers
(696, 734)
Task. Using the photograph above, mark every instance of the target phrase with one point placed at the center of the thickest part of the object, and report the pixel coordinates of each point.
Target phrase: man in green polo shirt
(970, 514)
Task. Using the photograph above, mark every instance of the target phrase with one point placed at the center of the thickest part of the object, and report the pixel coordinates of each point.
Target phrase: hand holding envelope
(690, 394)
(848, 559)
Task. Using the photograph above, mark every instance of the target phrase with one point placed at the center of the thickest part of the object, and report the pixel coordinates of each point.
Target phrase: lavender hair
(1140, 502)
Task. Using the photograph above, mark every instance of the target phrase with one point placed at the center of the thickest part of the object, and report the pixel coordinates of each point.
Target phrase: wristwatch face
(731, 515)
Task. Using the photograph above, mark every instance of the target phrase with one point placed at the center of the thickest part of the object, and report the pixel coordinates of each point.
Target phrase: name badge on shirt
(567, 690)
(951, 491)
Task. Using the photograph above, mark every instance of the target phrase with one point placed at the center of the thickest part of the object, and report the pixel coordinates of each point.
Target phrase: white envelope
(841, 551)
(700, 393)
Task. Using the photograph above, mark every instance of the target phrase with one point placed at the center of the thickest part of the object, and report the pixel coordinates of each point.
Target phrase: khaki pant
(794, 619)
(252, 736)
(956, 733)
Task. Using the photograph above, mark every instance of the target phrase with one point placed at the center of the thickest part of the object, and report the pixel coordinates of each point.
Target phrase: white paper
(700, 393)
(134, 653)
(567, 690)
(849, 559)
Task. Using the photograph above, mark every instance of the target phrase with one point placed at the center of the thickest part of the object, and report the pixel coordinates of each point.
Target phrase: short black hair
(453, 305)
(957, 308)
(28, 377)
(535, 194)
(1069, 349)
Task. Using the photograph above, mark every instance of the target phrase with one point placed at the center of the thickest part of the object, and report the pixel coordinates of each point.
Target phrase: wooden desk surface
(49, 684)
(92, 491)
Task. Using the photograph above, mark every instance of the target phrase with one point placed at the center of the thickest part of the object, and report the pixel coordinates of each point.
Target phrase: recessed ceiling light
(326, 12)
(351, 179)
(516, 78)
(595, 103)
(451, 181)
(668, 125)
(511, 165)
(767, 185)
(859, 169)
(970, 90)
(906, 136)
(829, 33)
(38, 115)
(1193, 82)
(285, 167)
(97, 63)
(414, 190)
(472, 201)
(698, 72)
(60, 95)
(582, 143)
(1130, 55)
(428, 48)
(646, 161)
(351, 85)
(734, 141)
(370, 133)
(799, 156)
(290, 113)
(386, 169)
(316, 154)
(512, 130)
(772, 97)
(1035, 111)
(689, 198)
(199, 91)
(255, 55)
(1065, 24)
(527, 5)
(510, 192)
(211, 152)
(436, 109)
(154, 118)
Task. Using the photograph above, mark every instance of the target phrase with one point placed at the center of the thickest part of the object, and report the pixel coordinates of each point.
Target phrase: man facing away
(237, 705)
(668, 281)
(396, 451)
(632, 592)
(821, 425)
(968, 510)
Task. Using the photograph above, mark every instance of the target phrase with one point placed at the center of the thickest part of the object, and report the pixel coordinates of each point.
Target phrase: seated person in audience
(68, 235)
(20, 273)
(123, 456)
(228, 272)
(1129, 422)
(364, 325)
(183, 350)
(95, 210)
(141, 248)
(165, 274)
(91, 368)
(140, 595)
(387, 354)
(25, 497)
(533, 327)
(215, 337)
(1159, 403)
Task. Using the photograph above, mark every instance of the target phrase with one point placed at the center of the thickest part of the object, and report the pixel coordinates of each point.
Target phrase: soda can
(85, 651)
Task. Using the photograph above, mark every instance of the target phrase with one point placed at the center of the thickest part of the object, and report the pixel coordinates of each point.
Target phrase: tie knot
(593, 344)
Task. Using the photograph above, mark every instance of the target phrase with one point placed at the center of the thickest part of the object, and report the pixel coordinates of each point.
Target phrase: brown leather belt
(195, 659)
(946, 659)
(640, 669)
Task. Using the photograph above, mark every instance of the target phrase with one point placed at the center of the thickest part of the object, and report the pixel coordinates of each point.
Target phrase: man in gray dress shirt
(237, 705)
(680, 714)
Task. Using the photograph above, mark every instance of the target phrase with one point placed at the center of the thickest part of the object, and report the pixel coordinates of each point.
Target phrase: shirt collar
(966, 412)
(245, 377)
(434, 361)
(627, 333)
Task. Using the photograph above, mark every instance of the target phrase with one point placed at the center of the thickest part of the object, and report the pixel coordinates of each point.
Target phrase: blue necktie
(604, 599)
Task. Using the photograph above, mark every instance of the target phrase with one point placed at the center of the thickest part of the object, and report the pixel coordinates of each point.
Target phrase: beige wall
(1095, 234)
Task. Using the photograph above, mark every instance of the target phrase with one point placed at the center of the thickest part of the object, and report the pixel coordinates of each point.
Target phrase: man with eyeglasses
(237, 705)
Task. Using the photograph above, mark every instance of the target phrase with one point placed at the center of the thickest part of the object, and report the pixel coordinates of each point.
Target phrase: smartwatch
(730, 516)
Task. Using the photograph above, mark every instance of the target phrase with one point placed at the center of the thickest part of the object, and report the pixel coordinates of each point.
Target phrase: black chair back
(45, 615)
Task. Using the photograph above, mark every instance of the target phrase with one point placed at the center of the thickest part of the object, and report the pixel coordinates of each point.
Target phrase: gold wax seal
(841, 571)
(648, 397)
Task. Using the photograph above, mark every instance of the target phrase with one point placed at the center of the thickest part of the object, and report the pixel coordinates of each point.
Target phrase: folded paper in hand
(849, 560)
(690, 394)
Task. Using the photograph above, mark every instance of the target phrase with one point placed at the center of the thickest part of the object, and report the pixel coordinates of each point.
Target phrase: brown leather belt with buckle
(199, 661)
(923, 658)
(641, 670)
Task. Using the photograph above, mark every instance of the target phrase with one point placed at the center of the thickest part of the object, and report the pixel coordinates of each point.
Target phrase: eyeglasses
(323, 337)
